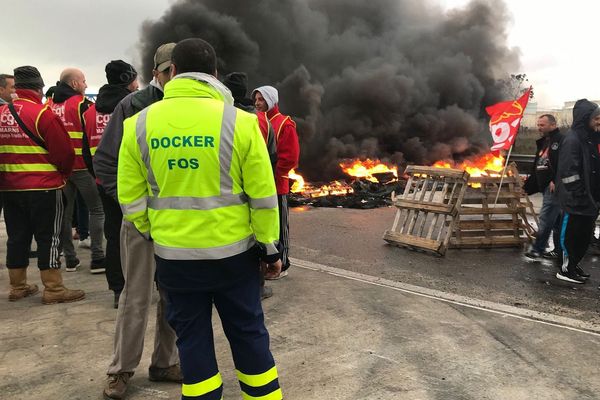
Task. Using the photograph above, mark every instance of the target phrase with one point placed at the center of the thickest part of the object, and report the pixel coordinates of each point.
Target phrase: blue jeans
(550, 216)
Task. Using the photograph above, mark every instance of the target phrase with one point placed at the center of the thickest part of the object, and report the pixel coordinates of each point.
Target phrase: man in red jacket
(266, 99)
(36, 158)
(69, 103)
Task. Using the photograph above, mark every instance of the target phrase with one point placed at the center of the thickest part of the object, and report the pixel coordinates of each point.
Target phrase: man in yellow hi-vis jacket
(194, 176)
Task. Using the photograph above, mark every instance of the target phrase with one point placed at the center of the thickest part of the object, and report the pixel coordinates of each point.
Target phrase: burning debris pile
(371, 185)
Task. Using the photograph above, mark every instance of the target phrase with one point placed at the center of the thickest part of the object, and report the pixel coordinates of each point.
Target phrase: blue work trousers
(550, 217)
(240, 310)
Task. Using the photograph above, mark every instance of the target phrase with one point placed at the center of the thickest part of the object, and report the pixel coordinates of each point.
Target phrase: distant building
(564, 115)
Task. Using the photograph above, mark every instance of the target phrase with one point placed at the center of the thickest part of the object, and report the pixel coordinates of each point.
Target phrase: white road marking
(496, 308)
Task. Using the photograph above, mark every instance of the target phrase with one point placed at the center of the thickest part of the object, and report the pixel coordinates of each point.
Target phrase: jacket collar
(30, 95)
(273, 111)
(196, 84)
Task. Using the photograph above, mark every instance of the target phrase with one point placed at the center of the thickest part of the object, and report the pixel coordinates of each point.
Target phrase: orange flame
(298, 186)
(335, 188)
(486, 165)
(366, 169)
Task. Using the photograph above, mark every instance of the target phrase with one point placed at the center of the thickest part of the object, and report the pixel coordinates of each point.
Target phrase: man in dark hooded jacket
(579, 188)
(137, 256)
(122, 80)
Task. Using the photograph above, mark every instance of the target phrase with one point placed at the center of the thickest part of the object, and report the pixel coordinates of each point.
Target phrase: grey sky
(52, 35)
(55, 34)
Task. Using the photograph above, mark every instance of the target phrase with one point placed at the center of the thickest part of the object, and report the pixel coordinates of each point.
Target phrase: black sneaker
(581, 272)
(533, 255)
(72, 265)
(552, 255)
(571, 277)
(97, 267)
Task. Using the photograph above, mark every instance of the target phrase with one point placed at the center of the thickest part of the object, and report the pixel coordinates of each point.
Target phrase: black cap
(118, 72)
(237, 82)
(28, 77)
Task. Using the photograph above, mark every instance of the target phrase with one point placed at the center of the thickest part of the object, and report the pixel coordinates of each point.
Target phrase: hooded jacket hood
(269, 93)
(63, 92)
(582, 111)
(109, 96)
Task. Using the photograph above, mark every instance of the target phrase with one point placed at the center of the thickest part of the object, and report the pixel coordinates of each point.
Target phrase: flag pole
(503, 173)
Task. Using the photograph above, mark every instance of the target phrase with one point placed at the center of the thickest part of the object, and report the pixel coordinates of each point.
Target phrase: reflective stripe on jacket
(194, 173)
(69, 113)
(24, 165)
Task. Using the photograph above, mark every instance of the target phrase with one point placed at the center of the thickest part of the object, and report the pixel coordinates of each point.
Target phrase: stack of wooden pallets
(443, 208)
(428, 208)
(484, 223)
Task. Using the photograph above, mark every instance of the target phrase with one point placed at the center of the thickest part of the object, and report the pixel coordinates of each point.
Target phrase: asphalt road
(352, 240)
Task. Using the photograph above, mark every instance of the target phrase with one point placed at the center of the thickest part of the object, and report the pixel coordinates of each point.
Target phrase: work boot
(116, 386)
(169, 374)
(18, 284)
(55, 291)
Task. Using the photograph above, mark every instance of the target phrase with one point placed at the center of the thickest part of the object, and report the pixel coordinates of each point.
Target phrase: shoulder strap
(38, 140)
(85, 148)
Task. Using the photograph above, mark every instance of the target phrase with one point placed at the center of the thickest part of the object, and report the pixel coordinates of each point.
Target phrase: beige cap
(162, 57)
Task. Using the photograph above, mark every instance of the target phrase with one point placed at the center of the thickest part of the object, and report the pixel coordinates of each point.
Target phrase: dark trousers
(240, 310)
(113, 217)
(81, 217)
(575, 237)
(33, 214)
(284, 230)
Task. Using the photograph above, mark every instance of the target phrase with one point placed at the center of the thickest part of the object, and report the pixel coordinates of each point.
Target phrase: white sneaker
(85, 243)
(283, 274)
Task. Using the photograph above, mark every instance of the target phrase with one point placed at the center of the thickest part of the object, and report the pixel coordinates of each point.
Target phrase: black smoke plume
(398, 80)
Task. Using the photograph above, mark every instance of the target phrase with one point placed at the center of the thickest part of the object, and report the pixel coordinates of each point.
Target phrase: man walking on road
(137, 256)
(194, 177)
(542, 180)
(36, 158)
(579, 188)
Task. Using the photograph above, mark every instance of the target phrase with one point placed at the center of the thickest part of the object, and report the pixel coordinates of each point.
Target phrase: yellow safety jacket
(194, 174)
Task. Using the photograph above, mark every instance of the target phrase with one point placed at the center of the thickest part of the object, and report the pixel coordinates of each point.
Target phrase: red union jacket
(24, 165)
(69, 111)
(288, 148)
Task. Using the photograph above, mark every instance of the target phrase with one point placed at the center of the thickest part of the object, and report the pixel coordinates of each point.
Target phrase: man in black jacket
(579, 188)
(137, 256)
(122, 80)
(542, 180)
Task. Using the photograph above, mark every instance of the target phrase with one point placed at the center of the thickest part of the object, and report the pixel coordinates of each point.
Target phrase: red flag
(505, 118)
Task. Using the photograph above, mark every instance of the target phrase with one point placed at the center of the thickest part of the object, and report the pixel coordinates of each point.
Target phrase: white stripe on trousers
(54, 244)
(284, 229)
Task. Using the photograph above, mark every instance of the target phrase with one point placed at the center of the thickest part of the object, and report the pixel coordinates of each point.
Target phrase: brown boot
(55, 291)
(18, 284)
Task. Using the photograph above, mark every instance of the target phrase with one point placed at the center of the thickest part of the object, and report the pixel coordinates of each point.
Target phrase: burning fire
(366, 169)
(356, 169)
(486, 165)
(298, 185)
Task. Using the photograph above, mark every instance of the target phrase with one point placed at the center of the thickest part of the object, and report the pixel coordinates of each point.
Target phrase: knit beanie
(28, 77)
(118, 72)
(237, 82)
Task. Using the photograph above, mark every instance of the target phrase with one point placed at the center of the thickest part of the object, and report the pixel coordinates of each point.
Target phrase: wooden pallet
(483, 224)
(428, 208)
